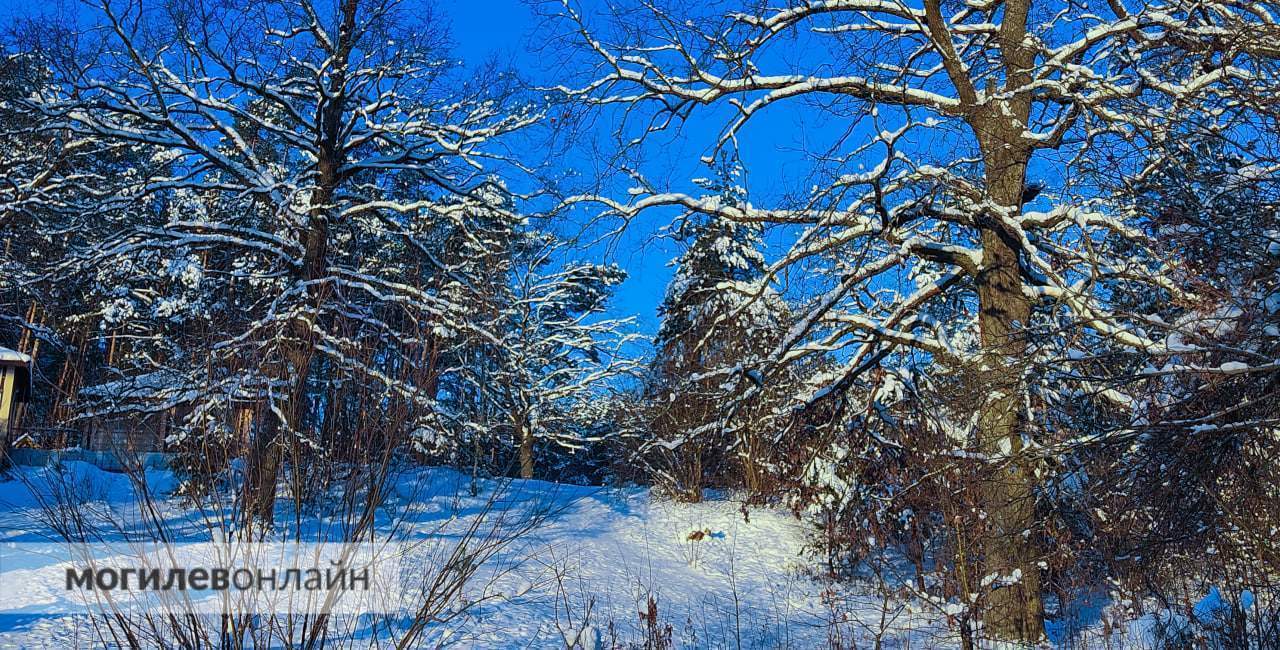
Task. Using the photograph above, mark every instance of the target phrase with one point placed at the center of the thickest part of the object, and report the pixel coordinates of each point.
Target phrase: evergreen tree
(719, 314)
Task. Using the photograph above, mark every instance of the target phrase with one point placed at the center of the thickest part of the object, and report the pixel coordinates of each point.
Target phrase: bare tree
(949, 105)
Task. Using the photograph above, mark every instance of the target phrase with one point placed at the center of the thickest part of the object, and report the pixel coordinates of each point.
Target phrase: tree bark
(298, 348)
(525, 433)
(262, 472)
(1014, 611)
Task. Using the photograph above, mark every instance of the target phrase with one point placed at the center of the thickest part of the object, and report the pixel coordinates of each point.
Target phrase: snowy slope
(582, 576)
(610, 550)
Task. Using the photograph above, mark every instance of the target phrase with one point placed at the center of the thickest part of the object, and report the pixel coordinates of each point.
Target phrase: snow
(607, 550)
(13, 356)
(145, 383)
(615, 547)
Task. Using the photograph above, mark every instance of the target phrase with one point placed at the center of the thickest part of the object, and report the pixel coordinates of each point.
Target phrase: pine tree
(719, 314)
(537, 352)
(558, 352)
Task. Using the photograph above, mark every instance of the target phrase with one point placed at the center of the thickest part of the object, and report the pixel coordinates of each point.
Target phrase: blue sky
(509, 31)
(773, 147)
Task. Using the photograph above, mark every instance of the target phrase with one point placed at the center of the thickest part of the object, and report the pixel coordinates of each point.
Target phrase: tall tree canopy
(970, 121)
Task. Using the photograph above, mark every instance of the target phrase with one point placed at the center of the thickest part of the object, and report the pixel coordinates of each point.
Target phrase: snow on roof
(22, 383)
(13, 356)
(136, 385)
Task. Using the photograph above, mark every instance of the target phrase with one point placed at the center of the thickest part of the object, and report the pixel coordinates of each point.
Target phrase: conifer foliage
(720, 316)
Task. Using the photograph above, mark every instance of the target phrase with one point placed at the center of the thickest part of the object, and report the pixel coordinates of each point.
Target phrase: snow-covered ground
(583, 577)
(742, 583)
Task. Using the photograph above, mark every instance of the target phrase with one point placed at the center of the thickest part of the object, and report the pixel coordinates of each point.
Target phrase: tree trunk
(525, 434)
(1014, 611)
(263, 469)
(297, 350)
(268, 449)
